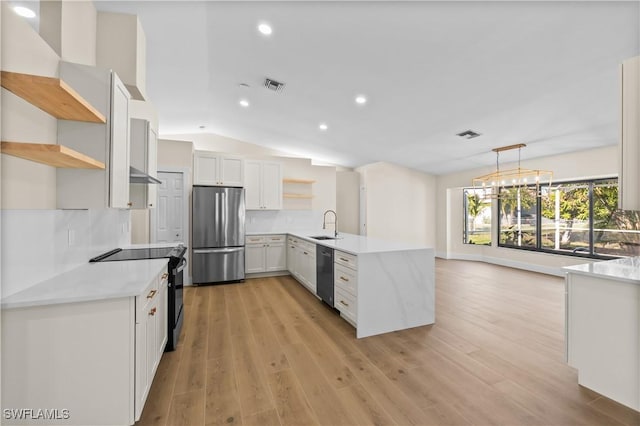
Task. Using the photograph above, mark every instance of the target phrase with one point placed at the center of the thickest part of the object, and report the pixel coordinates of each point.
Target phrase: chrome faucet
(335, 222)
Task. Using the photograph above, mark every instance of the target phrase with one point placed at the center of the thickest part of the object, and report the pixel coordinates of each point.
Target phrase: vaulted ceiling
(541, 73)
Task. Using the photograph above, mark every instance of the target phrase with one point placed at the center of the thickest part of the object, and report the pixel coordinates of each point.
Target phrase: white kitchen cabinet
(151, 337)
(95, 358)
(121, 45)
(629, 162)
(345, 275)
(265, 253)
(217, 169)
(263, 185)
(144, 157)
(291, 254)
(306, 265)
(108, 143)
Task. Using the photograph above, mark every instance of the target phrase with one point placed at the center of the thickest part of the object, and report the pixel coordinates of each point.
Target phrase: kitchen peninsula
(603, 327)
(380, 286)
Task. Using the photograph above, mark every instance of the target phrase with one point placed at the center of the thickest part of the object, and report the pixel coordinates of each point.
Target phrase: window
(477, 218)
(577, 218)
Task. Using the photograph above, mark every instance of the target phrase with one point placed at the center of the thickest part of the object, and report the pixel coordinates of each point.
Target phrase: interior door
(170, 208)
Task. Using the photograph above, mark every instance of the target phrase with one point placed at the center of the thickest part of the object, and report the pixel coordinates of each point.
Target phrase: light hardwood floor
(266, 352)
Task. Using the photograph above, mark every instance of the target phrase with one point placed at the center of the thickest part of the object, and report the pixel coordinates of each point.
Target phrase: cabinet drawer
(274, 238)
(346, 279)
(346, 304)
(254, 239)
(346, 259)
(148, 296)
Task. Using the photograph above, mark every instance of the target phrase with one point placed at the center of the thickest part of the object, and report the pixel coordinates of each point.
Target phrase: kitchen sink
(323, 237)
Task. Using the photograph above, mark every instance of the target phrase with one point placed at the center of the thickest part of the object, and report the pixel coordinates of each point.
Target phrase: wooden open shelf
(289, 195)
(51, 95)
(50, 154)
(291, 180)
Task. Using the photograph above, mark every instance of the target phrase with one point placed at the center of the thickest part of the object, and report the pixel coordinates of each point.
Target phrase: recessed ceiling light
(25, 12)
(265, 29)
(361, 100)
(244, 85)
(244, 103)
(323, 126)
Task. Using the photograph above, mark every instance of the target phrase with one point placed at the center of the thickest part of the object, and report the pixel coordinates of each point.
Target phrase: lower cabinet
(151, 336)
(345, 273)
(265, 253)
(301, 262)
(92, 361)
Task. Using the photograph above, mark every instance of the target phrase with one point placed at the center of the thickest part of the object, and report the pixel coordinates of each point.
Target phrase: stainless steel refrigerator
(217, 234)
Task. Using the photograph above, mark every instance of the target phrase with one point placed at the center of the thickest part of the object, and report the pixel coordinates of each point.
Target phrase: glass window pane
(615, 232)
(477, 217)
(518, 217)
(565, 218)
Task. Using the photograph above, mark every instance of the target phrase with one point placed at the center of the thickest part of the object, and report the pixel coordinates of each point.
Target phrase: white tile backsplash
(283, 220)
(36, 243)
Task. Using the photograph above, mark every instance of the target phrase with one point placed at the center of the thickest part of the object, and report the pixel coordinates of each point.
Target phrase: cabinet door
(150, 348)
(271, 185)
(629, 152)
(276, 257)
(231, 171)
(142, 380)
(119, 167)
(291, 258)
(253, 185)
(254, 255)
(152, 169)
(162, 323)
(311, 271)
(205, 168)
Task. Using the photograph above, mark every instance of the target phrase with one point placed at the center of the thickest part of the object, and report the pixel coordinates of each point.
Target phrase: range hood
(138, 176)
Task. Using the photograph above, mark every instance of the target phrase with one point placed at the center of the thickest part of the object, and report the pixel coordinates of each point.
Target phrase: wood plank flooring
(267, 352)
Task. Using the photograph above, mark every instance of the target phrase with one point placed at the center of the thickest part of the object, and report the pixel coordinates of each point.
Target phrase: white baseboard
(549, 270)
(267, 274)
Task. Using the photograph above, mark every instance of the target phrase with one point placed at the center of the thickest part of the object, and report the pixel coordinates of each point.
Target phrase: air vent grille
(276, 86)
(468, 134)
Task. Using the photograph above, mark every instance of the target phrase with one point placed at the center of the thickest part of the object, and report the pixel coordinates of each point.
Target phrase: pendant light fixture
(492, 183)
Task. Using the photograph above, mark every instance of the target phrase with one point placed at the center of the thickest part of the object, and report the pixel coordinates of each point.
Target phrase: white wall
(595, 163)
(39, 242)
(399, 203)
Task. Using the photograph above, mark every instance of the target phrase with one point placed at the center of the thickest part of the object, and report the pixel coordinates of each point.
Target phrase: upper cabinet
(263, 185)
(217, 169)
(144, 157)
(121, 46)
(629, 189)
(107, 143)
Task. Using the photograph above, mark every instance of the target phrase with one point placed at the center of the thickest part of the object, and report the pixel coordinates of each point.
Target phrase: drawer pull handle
(305, 252)
(275, 239)
(152, 312)
(344, 279)
(344, 260)
(165, 276)
(344, 303)
(151, 294)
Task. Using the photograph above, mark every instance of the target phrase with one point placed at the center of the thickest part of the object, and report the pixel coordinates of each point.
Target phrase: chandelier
(490, 185)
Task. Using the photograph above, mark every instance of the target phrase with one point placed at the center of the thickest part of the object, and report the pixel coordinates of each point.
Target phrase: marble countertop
(93, 281)
(624, 269)
(350, 243)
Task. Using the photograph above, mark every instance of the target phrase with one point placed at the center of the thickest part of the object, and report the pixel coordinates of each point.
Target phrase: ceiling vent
(468, 134)
(273, 85)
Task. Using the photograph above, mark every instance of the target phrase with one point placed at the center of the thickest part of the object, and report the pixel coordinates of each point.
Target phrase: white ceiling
(542, 73)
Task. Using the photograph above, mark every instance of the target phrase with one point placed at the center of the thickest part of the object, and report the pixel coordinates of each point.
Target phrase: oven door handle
(180, 267)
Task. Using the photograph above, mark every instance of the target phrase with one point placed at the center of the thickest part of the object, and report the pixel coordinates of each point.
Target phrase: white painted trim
(267, 274)
(186, 176)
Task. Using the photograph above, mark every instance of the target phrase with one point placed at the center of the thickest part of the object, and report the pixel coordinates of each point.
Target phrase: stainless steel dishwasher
(324, 274)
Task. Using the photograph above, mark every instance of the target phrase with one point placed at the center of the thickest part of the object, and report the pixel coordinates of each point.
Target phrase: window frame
(538, 248)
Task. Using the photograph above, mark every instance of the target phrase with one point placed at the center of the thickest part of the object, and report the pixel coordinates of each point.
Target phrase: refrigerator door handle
(218, 250)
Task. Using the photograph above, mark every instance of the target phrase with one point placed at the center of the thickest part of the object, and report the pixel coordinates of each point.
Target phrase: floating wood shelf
(51, 95)
(51, 154)
(290, 180)
(289, 195)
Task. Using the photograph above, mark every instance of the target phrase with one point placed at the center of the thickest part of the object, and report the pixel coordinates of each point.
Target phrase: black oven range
(177, 263)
